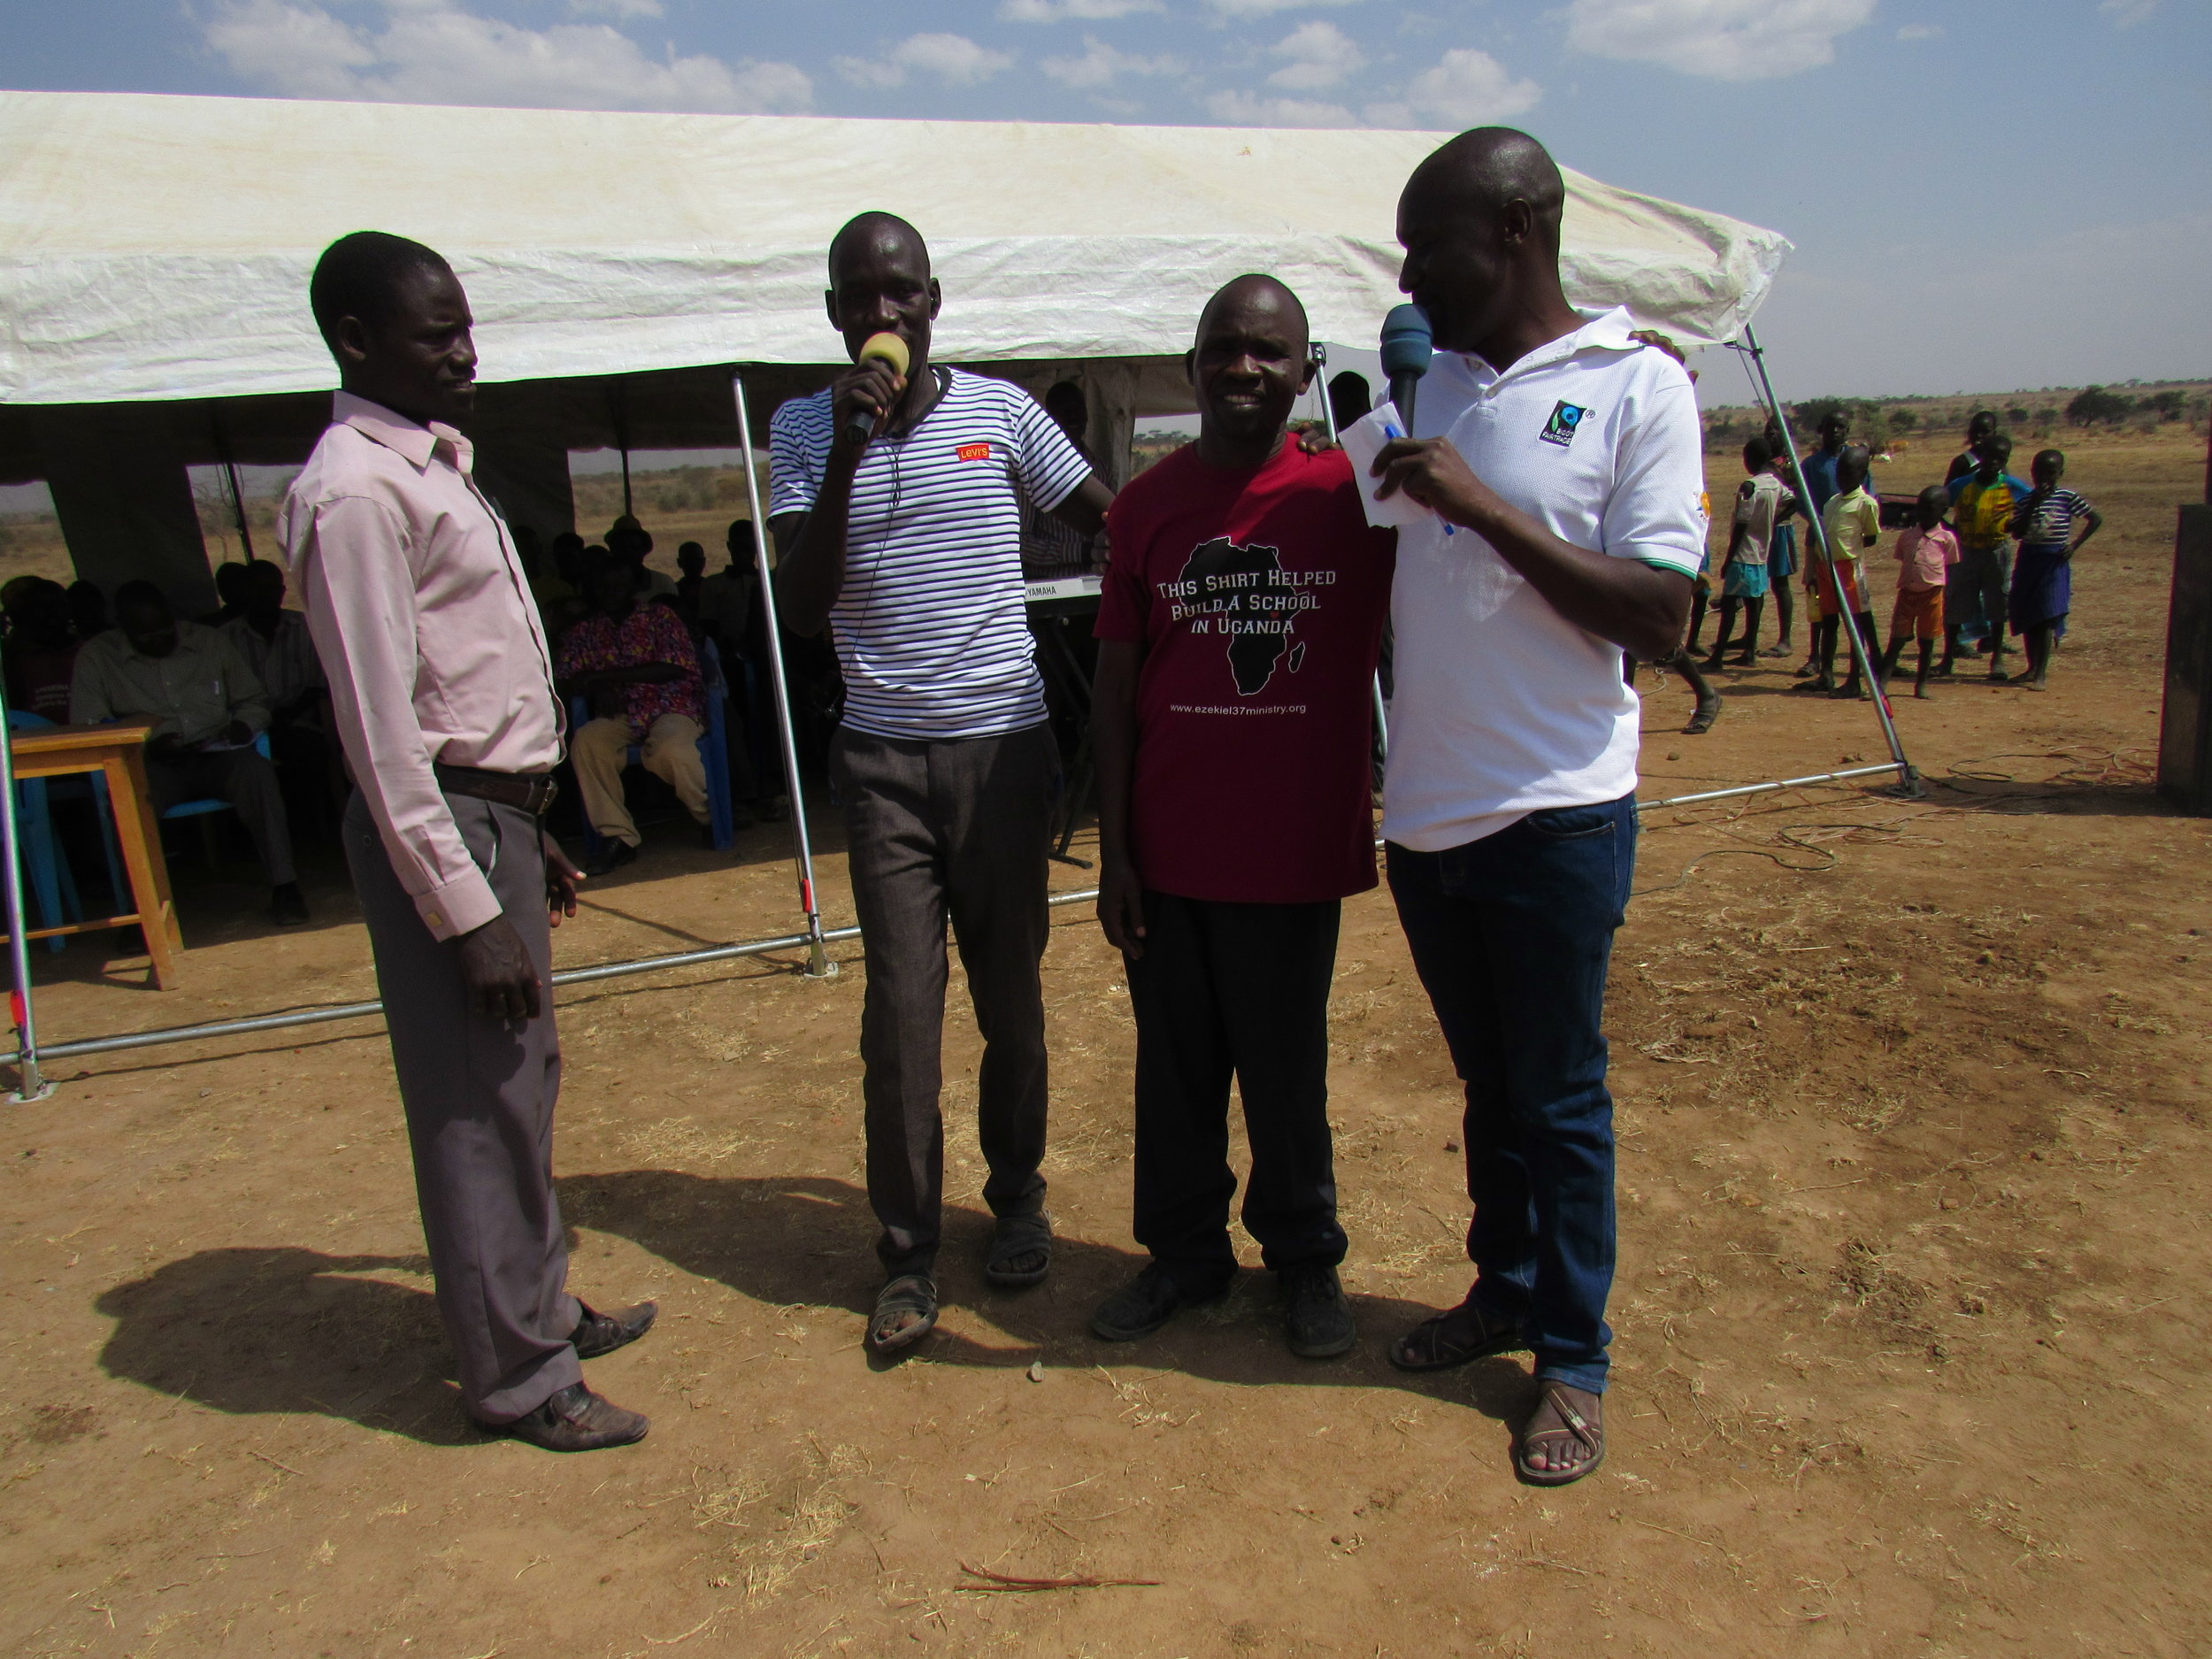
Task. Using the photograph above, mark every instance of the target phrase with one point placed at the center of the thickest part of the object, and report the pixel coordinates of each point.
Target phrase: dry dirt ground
(1912, 1295)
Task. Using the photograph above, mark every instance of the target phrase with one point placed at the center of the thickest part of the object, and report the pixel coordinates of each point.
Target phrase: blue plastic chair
(210, 804)
(53, 885)
(714, 753)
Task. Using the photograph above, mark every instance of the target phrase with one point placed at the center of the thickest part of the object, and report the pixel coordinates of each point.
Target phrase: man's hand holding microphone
(865, 395)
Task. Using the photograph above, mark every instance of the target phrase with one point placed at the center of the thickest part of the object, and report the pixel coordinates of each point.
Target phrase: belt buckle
(543, 791)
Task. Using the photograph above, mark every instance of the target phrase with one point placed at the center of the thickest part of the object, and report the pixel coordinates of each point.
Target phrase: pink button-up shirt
(422, 616)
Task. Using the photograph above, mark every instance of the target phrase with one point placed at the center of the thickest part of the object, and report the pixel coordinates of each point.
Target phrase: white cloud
(1921, 32)
(430, 51)
(1241, 108)
(620, 11)
(1102, 65)
(1727, 40)
(1268, 8)
(953, 59)
(1062, 10)
(1320, 55)
(2125, 14)
(1462, 88)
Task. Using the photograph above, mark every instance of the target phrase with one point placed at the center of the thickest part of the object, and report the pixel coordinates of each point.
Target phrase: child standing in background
(1744, 585)
(1985, 499)
(1851, 523)
(2042, 576)
(1925, 553)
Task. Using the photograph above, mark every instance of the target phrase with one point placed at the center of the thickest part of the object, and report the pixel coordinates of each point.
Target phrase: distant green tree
(2165, 405)
(1904, 420)
(2015, 414)
(2094, 404)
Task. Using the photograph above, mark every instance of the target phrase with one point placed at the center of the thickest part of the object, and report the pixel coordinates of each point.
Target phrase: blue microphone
(1407, 347)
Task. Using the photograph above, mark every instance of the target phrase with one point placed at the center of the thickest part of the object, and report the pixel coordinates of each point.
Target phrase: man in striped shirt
(908, 545)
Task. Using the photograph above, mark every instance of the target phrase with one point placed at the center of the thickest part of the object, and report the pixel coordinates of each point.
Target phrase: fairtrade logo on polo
(1565, 418)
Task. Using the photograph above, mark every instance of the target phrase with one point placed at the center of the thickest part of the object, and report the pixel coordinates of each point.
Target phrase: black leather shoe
(598, 1333)
(574, 1420)
(288, 905)
(1147, 1303)
(1317, 1315)
(612, 856)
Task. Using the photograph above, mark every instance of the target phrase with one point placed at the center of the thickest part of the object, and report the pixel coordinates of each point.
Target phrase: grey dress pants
(955, 830)
(478, 1095)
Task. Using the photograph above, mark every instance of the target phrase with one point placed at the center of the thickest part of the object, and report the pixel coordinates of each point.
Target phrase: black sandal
(1573, 1426)
(1013, 1238)
(913, 1293)
(1454, 1338)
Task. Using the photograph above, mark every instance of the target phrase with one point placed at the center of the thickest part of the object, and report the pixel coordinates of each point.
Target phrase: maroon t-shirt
(1259, 596)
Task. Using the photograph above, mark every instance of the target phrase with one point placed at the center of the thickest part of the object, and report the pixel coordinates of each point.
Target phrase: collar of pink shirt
(416, 444)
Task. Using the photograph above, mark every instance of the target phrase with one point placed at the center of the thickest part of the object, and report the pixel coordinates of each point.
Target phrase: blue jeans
(1511, 935)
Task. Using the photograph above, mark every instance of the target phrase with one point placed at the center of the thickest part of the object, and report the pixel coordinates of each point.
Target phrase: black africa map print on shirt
(1245, 595)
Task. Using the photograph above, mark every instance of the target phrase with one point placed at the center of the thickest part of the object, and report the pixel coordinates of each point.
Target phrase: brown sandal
(1454, 1338)
(909, 1296)
(1575, 1426)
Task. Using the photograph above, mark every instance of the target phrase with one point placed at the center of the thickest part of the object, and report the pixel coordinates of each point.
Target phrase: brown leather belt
(533, 792)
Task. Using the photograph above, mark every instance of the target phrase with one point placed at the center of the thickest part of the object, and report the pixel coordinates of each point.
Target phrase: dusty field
(1913, 1287)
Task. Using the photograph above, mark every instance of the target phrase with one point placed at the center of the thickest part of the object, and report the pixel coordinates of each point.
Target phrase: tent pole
(230, 473)
(819, 964)
(1907, 776)
(1328, 420)
(29, 1084)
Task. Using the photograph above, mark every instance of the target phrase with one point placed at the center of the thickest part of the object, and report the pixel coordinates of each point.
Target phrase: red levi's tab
(973, 452)
(1259, 596)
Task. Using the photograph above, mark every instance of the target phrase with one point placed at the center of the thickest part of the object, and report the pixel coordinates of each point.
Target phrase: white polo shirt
(1501, 706)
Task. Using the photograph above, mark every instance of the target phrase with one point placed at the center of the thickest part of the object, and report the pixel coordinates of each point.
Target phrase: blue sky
(1984, 193)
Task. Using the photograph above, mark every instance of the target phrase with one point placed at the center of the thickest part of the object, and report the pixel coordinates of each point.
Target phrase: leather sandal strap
(1577, 1425)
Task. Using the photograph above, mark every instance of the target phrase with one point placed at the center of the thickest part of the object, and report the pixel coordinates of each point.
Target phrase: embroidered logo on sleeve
(1560, 429)
(973, 451)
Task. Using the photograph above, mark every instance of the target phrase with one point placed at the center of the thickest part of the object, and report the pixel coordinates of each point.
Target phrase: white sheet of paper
(1362, 441)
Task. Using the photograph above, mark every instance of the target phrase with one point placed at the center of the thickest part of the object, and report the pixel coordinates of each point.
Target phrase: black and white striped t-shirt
(931, 630)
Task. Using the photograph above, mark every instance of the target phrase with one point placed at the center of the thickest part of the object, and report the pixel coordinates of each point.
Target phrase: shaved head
(877, 230)
(1483, 170)
(1479, 220)
(1256, 292)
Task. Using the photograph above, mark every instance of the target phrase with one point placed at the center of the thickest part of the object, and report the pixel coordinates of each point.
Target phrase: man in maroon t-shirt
(1237, 632)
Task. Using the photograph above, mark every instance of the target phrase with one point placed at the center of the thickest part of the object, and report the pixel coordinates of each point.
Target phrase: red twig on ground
(1002, 1581)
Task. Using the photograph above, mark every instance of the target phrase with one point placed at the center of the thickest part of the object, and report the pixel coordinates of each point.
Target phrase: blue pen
(1390, 430)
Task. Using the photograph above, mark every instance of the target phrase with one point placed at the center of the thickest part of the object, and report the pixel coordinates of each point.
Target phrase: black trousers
(1238, 990)
(953, 830)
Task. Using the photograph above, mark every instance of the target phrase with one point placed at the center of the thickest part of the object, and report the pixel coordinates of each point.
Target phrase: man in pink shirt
(444, 692)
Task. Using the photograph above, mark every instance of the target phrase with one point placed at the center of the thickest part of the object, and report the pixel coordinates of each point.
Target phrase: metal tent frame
(29, 1056)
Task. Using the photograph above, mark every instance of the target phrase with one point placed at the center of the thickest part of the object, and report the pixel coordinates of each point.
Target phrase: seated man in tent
(42, 650)
(207, 709)
(633, 663)
(275, 643)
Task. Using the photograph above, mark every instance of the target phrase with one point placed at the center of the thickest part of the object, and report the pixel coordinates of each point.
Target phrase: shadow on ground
(251, 1331)
(277, 1330)
(807, 1240)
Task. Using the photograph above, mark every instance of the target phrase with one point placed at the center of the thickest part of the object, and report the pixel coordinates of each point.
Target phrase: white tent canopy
(158, 248)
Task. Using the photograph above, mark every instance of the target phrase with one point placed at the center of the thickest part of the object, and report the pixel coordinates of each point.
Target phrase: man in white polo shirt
(1562, 461)
(908, 543)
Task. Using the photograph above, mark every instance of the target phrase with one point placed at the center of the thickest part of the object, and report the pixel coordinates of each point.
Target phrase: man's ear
(349, 342)
(1516, 221)
(1305, 379)
(936, 299)
(829, 309)
(1190, 366)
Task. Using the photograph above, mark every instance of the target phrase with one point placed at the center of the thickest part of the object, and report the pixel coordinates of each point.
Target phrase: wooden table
(115, 751)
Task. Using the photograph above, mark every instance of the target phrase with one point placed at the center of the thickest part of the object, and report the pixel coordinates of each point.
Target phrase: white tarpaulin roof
(159, 247)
